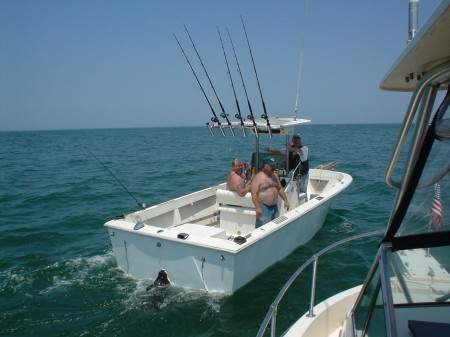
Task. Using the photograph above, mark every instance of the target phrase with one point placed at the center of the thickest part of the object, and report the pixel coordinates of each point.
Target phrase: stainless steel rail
(291, 178)
(272, 313)
(420, 107)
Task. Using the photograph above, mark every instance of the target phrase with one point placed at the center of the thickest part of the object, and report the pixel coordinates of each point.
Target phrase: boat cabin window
(369, 313)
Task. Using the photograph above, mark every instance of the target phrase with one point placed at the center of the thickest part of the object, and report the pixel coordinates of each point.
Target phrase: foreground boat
(407, 290)
(207, 239)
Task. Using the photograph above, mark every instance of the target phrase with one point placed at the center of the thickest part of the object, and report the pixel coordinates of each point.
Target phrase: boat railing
(271, 315)
(419, 110)
(292, 175)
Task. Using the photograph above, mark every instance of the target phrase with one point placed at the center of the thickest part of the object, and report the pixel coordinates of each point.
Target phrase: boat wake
(56, 277)
(92, 286)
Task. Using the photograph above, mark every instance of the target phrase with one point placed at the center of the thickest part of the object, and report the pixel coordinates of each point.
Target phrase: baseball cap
(269, 161)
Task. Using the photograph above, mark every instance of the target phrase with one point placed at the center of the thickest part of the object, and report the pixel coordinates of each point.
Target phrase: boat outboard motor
(161, 281)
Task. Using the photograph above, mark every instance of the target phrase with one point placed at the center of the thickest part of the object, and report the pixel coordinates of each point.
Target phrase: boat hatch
(193, 229)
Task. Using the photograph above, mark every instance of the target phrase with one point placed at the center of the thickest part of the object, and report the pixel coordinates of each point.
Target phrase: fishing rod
(251, 117)
(238, 115)
(214, 119)
(223, 114)
(264, 116)
(141, 204)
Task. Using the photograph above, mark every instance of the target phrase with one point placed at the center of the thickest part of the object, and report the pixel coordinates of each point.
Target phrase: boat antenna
(214, 119)
(413, 19)
(264, 115)
(302, 47)
(238, 115)
(251, 117)
(223, 114)
(142, 205)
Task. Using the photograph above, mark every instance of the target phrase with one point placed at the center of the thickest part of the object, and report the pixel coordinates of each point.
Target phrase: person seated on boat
(265, 189)
(297, 153)
(237, 180)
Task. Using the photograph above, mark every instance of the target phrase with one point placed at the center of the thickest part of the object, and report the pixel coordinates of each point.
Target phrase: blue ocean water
(58, 276)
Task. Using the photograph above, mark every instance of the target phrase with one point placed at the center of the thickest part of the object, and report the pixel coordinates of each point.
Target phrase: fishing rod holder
(269, 130)
(221, 127)
(225, 115)
(239, 117)
(210, 129)
(255, 128)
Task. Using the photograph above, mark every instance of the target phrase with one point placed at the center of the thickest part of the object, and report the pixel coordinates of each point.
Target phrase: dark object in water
(240, 240)
(161, 281)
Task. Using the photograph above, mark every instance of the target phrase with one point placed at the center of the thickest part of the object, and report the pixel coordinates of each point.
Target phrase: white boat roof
(278, 125)
(423, 53)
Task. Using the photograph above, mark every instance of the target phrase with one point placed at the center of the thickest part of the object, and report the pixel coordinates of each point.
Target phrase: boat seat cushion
(226, 197)
(237, 220)
(238, 210)
(425, 329)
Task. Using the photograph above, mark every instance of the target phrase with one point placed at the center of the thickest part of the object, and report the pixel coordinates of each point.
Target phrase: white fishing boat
(207, 239)
(407, 289)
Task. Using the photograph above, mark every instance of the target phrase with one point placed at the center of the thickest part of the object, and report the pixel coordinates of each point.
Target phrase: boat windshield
(369, 315)
(412, 271)
(421, 275)
(426, 212)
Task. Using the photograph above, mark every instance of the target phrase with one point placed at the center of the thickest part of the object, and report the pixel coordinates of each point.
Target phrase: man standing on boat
(237, 179)
(265, 189)
(298, 153)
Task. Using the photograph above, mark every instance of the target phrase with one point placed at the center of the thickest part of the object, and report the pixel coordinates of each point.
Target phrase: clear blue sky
(107, 64)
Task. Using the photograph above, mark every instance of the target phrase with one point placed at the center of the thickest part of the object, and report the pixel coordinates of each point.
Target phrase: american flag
(436, 208)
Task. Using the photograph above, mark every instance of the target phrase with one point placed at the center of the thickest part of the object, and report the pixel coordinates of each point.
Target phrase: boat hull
(329, 316)
(212, 269)
(205, 256)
